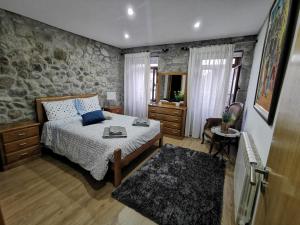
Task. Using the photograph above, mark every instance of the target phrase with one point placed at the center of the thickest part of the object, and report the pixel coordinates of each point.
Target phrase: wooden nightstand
(114, 109)
(19, 142)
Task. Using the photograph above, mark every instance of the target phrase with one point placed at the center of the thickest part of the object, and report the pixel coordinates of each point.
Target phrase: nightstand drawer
(20, 134)
(23, 154)
(21, 144)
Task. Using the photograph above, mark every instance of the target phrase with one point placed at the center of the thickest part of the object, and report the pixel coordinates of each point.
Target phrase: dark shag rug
(176, 186)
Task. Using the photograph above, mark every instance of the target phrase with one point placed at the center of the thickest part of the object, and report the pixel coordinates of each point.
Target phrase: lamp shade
(111, 95)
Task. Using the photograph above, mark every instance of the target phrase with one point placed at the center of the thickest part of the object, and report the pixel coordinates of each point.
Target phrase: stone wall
(248, 51)
(39, 60)
(177, 57)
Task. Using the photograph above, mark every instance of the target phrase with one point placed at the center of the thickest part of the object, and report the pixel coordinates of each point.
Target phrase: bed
(85, 146)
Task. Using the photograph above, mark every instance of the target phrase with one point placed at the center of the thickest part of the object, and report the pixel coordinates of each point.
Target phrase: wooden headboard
(40, 111)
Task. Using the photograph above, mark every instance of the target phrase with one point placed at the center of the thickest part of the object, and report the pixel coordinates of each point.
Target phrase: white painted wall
(261, 132)
(253, 123)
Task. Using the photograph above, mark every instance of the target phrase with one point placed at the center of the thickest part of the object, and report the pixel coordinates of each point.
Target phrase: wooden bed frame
(119, 163)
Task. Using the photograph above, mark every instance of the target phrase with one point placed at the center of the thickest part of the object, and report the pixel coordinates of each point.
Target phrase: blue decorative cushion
(92, 117)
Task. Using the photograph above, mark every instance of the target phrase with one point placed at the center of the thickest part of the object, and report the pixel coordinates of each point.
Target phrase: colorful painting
(274, 58)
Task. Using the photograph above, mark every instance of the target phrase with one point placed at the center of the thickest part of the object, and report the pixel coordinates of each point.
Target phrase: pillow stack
(88, 108)
(85, 105)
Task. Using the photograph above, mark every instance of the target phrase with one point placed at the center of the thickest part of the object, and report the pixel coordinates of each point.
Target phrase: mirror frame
(158, 84)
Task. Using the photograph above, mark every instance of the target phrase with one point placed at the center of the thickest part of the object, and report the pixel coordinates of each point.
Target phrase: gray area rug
(176, 186)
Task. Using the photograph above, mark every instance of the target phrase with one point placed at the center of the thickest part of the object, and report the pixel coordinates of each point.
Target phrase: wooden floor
(50, 191)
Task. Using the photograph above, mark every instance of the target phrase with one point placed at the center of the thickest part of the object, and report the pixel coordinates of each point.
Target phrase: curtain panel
(136, 84)
(208, 82)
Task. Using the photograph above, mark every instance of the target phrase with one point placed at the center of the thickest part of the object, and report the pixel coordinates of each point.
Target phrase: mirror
(172, 87)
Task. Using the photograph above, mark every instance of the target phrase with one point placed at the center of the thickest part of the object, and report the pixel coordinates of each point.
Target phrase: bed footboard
(119, 163)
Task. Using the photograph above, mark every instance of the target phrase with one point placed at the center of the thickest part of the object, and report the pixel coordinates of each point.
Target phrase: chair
(236, 109)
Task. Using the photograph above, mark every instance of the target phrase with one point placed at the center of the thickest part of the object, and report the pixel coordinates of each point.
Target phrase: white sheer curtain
(208, 83)
(136, 84)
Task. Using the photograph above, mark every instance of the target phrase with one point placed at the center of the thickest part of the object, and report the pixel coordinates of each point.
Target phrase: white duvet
(84, 144)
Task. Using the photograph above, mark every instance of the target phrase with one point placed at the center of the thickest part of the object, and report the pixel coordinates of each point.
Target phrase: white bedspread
(84, 144)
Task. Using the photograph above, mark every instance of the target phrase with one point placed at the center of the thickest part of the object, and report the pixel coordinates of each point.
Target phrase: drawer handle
(21, 134)
(24, 154)
(22, 144)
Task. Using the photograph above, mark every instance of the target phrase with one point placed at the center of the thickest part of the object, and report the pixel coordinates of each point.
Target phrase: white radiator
(245, 179)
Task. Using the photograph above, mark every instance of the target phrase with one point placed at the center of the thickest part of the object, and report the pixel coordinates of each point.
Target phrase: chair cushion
(235, 109)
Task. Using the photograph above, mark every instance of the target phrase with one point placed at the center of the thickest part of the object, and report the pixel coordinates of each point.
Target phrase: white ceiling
(155, 21)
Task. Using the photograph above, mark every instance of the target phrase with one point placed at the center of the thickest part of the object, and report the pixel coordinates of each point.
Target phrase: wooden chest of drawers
(19, 142)
(173, 118)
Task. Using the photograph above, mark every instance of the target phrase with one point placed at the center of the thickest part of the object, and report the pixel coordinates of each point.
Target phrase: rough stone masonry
(39, 60)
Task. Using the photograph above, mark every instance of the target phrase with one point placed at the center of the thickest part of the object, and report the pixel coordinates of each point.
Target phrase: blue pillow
(92, 117)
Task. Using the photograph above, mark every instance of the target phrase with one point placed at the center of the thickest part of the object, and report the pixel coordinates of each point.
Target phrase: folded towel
(115, 130)
(118, 132)
(144, 122)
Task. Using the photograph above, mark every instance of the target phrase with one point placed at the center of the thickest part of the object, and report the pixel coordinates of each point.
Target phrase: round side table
(225, 139)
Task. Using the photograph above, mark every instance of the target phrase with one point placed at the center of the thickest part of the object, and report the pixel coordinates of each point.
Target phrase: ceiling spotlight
(130, 11)
(197, 25)
(126, 36)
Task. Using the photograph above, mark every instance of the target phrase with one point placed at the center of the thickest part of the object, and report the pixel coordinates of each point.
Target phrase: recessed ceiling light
(126, 36)
(197, 25)
(130, 11)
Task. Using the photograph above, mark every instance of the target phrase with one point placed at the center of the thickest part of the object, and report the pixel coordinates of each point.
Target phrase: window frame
(234, 86)
(154, 70)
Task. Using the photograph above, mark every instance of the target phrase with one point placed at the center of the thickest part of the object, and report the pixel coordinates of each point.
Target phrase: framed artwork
(277, 45)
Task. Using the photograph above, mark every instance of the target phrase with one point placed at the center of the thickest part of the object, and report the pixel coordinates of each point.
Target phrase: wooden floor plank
(49, 191)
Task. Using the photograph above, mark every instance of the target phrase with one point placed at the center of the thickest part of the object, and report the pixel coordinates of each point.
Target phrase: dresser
(19, 142)
(173, 118)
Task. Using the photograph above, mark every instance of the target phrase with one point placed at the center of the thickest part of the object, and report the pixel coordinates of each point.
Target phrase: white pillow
(56, 110)
(84, 105)
(107, 115)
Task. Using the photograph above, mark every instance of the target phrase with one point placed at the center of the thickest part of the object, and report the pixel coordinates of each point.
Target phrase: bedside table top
(17, 125)
(112, 107)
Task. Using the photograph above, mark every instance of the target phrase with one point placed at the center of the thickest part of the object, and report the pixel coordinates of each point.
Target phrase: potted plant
(179, 96)
(226, 119)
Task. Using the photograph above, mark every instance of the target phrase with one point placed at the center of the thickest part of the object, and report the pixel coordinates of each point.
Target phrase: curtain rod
(183, 47)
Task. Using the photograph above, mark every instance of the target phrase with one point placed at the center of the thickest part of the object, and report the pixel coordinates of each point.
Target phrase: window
(210, 66)
(153, 78)
(234, 79)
